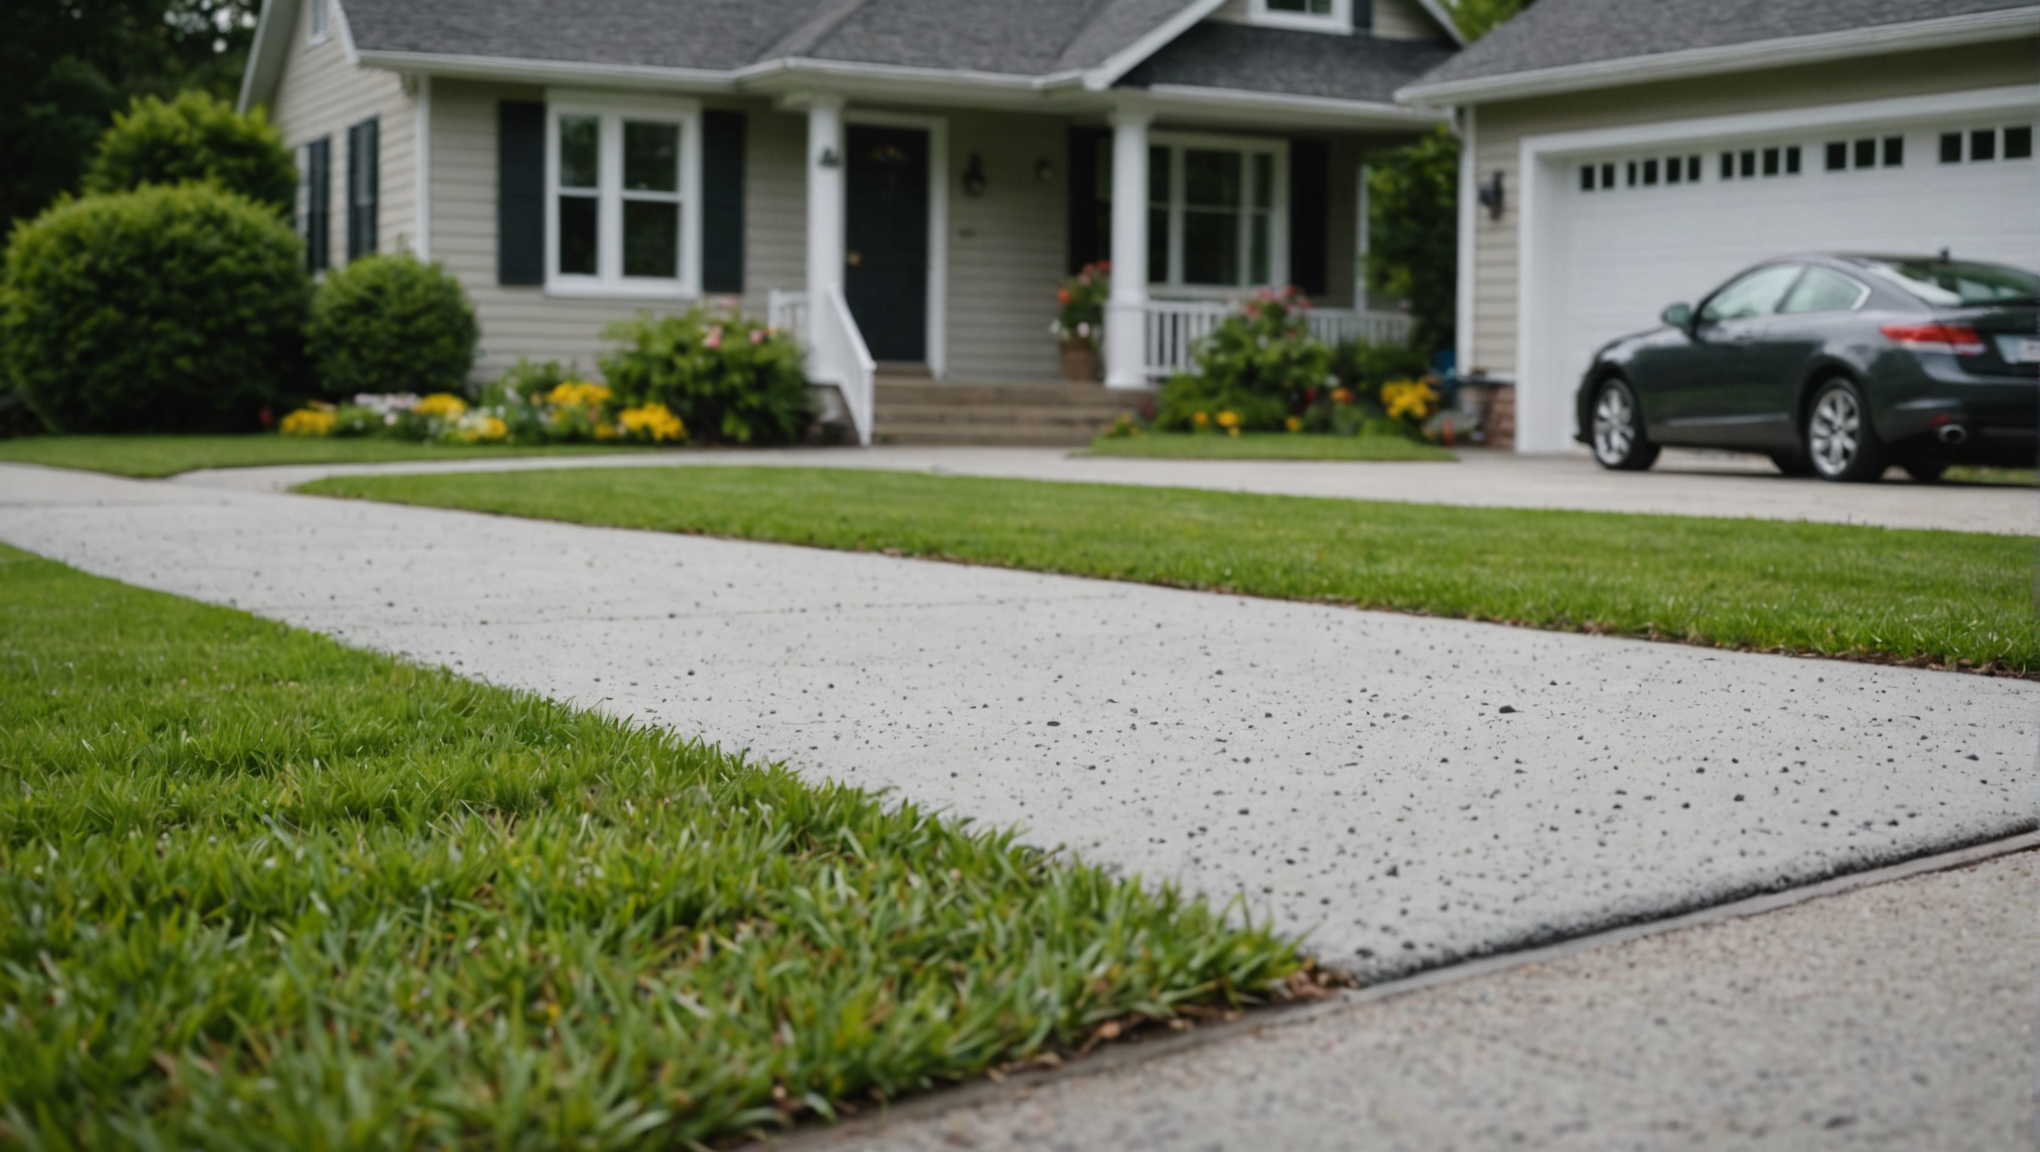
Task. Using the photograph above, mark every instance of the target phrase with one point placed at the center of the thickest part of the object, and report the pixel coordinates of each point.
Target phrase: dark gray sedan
(1835, 366)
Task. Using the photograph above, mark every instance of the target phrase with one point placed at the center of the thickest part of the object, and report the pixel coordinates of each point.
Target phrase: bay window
(1217, 216)
(623, 198)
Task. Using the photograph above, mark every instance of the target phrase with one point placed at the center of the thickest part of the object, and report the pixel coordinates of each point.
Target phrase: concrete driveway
(1683, 483)
(1407, 791)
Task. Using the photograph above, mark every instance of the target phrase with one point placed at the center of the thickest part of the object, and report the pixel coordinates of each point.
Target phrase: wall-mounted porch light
(1492, 197)
(974, 176)
(830, 159)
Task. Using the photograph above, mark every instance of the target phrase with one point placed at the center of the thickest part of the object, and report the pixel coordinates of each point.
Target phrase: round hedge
(391, 324)
(168, 309)
(195, 138)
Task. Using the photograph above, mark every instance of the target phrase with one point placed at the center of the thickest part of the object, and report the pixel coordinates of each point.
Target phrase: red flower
(1062, 295)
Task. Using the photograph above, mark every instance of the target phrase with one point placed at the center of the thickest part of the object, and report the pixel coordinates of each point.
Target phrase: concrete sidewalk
(1353, 775)
(1684, 483)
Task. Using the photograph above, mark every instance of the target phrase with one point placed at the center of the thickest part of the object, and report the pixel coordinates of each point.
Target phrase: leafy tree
(67, 66)
(1479, 17)
(195, 138)
(1413, 233)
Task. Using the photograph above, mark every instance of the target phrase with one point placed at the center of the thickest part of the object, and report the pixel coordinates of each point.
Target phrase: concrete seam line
(1116, 1056)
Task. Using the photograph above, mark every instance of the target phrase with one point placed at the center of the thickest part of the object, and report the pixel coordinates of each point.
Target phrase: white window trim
(611, 110)
(1278, 213)
(318, 21)
(1340, 19)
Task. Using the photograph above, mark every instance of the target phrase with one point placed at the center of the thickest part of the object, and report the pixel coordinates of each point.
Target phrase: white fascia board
(1950, 32)
(1282, 109)
(1445, 19)
(346, 33)
(1125, 60)
(273, 30)
(549, 71)
(938, 81)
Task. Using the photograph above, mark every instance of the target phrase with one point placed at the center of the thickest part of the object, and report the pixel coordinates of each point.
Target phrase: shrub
(1083, 298)
(728, 379)
(166, 309)
(1261, 365)
(391, 324)
(194, 138)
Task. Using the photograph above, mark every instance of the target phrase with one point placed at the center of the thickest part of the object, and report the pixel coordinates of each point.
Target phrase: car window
(1823, 290)
(1756, 294)
(1960, 283)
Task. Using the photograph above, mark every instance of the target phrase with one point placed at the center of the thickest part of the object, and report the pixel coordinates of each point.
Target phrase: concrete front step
(920, 412)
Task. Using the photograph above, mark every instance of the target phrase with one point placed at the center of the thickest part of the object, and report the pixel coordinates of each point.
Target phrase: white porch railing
(1173, 328)
(836, 353)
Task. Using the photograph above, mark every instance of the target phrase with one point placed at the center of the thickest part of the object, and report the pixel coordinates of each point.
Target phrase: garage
(1627, 231)
(1618, 157)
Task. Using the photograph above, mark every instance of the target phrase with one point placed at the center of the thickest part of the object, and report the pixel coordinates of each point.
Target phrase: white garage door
(1634, 230)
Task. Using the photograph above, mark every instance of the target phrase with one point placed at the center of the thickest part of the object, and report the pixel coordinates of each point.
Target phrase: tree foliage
(1477, 18)
(67, 66)
(196, 137)
(1413, 233)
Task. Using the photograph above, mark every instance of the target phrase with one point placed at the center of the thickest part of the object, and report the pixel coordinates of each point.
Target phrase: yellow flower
(478, 428)
(605, 431)
(444, 405)
(1232, 431)
(1229, 420)
(654, 422)
(1201, 419)
(310, 422)
(1294, 424)
(577, 394)
(1408, 398)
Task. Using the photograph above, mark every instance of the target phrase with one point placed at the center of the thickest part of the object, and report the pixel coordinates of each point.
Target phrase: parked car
(1834, 366)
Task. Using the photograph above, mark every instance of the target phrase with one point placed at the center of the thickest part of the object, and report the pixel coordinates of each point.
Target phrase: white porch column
(824, 200)
(1126, 311)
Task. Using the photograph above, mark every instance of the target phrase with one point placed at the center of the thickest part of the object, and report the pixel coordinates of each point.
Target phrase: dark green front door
(886, 241)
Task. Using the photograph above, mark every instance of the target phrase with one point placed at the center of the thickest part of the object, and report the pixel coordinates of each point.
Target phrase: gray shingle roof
(1561, 33)
(1246, 58)
(1017, 37)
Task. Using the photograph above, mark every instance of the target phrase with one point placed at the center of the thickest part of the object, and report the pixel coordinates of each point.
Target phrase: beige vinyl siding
(320, 94)
(1008, 248)
(1405, 20)
(519, 320)
(1500, 129)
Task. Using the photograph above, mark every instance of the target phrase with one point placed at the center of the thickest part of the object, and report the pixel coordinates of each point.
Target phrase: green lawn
(1823, 588)
(2012, 477)
(1266, 446)
(258, 890)
(153, 456)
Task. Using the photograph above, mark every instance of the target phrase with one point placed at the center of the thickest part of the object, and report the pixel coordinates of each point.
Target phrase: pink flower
(757, 335)
(714, 338)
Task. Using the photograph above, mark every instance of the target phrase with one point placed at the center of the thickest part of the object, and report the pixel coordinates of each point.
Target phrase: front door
(886, 240)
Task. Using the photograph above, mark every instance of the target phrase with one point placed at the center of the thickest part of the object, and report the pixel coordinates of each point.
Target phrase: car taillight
(1954, 339)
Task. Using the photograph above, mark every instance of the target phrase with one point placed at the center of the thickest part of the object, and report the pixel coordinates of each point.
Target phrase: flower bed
(569, 412)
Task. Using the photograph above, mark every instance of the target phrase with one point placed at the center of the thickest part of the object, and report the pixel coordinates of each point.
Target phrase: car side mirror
(1679, 316)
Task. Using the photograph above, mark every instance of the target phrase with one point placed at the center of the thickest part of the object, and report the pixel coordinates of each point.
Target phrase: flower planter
(1079, 360)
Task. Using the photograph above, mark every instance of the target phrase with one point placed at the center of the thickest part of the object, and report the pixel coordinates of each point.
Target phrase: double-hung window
(1217, 213)
(623, 203)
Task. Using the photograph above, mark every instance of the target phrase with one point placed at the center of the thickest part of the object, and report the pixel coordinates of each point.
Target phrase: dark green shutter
(722, 201)
(1090, 209)
(364, 188)
(1310, 210)
(318, 204)
(520, 193)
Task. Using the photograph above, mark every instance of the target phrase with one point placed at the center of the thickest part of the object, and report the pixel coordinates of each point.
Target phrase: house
(1622, 156)
(903, 181)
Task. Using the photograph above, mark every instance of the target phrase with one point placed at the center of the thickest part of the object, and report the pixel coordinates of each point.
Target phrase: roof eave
(1947, 32)
(1260, 107)
(259, 76)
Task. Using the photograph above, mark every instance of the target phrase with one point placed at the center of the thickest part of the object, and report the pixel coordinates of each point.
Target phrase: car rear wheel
(1618, 430)
(1926, 471)
(1839, 439)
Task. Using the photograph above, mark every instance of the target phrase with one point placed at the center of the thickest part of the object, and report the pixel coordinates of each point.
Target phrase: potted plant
(1082, 321)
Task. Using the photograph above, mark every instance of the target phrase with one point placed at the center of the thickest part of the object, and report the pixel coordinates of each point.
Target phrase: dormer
(1382, 19)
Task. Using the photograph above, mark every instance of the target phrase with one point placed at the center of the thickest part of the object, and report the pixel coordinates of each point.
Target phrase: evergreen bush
(391, 324)
(195, 138)
(168, 309)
